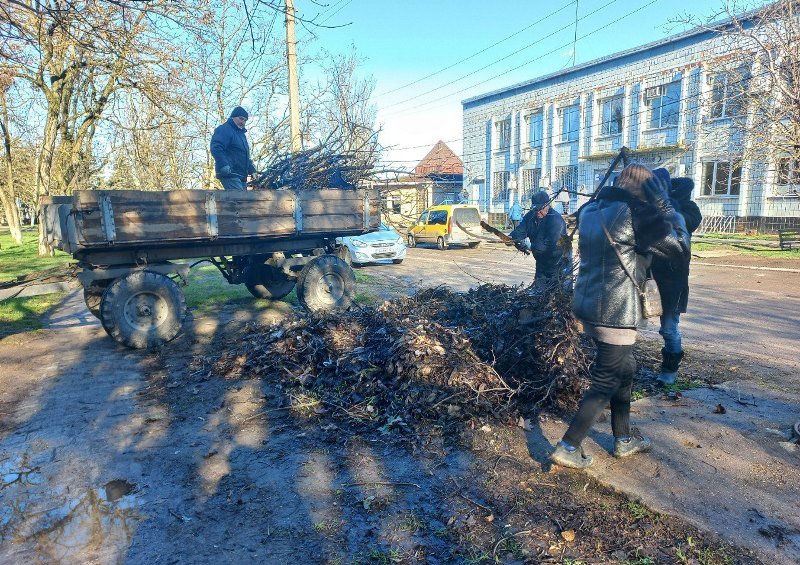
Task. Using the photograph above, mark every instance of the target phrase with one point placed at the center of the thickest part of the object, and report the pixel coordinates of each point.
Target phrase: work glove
(656, 191)
(225, 171)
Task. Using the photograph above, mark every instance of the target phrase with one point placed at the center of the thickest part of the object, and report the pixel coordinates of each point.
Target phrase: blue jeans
(233, 183)
(670, 332)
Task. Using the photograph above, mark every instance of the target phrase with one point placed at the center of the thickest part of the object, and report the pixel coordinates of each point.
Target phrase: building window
(500, 186)
(726, 95)
(393, 203)
(535, 129)
(503, 131)
(788, 176)
(611, 114)
(567, 177)
(570, 118)
(721, 179)
(664, 103)
(530, 180)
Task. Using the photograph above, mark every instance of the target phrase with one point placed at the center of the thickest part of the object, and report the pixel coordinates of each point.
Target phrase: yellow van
(447, 224)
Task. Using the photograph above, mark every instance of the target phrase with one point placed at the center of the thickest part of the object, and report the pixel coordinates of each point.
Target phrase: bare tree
(755, 85)
(8, 193)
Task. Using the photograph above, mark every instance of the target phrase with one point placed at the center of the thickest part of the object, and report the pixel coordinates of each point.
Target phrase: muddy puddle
(45, 522)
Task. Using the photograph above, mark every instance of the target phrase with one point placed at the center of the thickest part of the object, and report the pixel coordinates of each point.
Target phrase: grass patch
(208, 290)
(24, 314)
(758, 236)
(754, 250)
(20, 259)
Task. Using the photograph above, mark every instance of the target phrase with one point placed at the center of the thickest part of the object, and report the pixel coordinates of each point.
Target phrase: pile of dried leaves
(492, 351)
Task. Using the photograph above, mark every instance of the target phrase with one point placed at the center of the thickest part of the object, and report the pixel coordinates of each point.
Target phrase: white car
(382, 245)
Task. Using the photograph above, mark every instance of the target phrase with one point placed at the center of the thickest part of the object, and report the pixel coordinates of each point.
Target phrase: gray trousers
(233, 183)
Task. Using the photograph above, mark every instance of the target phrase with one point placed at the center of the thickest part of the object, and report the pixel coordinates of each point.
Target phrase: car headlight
(359, 243)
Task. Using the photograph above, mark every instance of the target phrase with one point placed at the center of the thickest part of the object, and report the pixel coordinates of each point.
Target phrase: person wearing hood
(672, 278)
(619, 233)
(544, 228)
(231, 152)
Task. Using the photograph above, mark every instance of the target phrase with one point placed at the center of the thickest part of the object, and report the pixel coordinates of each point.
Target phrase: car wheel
(397, 261)
(343, 253)
(440, 243)
(411, 241)
(474, 244)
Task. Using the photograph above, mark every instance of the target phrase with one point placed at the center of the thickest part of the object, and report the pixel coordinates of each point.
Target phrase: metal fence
(717, 224)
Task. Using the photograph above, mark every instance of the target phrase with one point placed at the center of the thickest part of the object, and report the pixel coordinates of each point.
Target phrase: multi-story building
(666, 101)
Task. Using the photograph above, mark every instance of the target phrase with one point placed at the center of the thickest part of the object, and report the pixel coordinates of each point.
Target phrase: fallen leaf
(568, 535)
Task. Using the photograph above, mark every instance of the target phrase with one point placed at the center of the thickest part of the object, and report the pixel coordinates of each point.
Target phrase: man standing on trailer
(231, 152)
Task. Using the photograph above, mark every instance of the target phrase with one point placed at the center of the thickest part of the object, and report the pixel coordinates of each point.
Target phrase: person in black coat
(544, 228)
(231, 152)
(672, 278)
(619, 234)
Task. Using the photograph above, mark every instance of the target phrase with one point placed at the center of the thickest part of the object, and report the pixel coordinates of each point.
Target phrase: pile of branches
(493, 352)
(315, 168)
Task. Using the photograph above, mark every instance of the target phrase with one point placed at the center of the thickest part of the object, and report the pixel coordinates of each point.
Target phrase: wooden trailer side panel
(129, 216)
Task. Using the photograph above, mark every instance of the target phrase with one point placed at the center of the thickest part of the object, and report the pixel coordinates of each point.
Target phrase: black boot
(669, 366)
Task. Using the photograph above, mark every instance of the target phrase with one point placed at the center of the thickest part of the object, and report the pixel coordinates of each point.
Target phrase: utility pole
(294, 96)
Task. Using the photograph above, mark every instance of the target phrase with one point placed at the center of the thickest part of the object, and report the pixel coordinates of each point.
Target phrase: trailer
(131, 249)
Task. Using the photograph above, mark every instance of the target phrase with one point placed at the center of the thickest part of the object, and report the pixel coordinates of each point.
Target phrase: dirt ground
(111, 455)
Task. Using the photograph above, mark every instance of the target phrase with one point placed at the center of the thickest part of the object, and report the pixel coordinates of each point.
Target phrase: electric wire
(484, 50)
(460, 92)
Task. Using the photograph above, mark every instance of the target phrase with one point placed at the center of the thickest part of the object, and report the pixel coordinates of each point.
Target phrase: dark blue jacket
(229, 147)
(545, 235)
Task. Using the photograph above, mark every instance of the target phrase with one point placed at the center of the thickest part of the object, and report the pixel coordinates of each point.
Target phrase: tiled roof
(440, 159)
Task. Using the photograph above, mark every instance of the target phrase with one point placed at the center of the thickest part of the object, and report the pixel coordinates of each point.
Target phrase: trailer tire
(326, 285)
(143, 309)
(93, 296)
(267, 281)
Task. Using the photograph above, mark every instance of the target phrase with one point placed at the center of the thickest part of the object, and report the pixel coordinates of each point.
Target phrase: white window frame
(607, 122)
(531, 180)
(730, 106)
(658, 103)
(787, 177)
(711, 189)
(566, 132)
(535, 124)
(500, 182)
(503, 132)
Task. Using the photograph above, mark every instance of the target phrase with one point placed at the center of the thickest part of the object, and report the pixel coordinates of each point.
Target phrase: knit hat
(239, 112)
(539, 200)
(663, 175)
(681, 188)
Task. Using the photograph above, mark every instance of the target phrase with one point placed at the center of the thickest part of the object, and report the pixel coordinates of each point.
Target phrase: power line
(550, 137)
(484, 50)
(518, 51)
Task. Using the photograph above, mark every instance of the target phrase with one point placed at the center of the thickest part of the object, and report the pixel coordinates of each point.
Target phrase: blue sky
(404, 42)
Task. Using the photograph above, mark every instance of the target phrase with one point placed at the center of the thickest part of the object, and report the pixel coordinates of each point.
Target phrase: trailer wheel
(266, 281)
(93, 295)
(143, 309)
(326, 284)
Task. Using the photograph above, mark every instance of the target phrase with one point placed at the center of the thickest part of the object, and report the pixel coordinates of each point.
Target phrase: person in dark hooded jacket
(544, 228)
(231, 152)
(619, 233)
(672, 278)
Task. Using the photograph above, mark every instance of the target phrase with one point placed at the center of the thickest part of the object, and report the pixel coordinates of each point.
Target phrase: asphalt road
(738, 310)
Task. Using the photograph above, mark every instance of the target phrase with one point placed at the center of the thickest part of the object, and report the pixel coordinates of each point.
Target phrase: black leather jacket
(604, 294)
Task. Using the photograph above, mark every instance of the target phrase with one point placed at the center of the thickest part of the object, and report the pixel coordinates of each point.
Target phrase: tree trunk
(7, 194)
